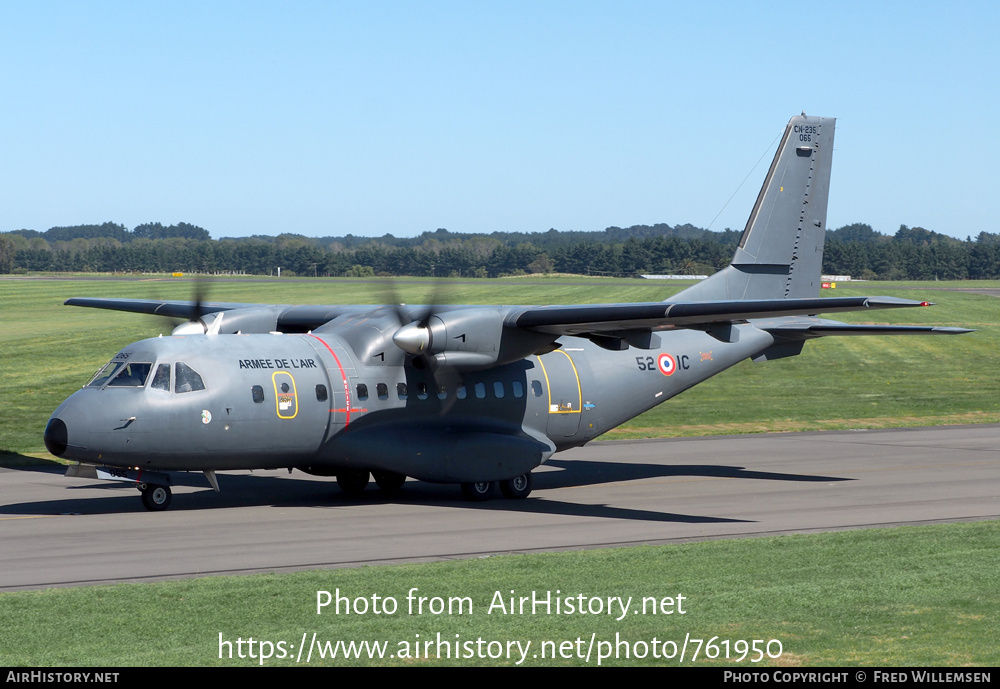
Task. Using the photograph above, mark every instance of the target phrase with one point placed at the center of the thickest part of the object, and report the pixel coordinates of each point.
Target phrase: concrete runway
(57, 531)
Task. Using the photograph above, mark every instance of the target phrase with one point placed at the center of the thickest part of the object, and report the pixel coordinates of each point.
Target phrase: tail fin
(780, 255)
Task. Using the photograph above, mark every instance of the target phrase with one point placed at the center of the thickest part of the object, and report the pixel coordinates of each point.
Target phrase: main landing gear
(389, 482)
(516, 488)
(353, 481)
(478, 491)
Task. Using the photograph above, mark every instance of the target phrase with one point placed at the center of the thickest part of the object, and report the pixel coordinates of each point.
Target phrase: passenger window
(442, 391)
(161, 381)
(498, 389)
(480, 390)
(258, 393)
(536, 388)
(421, 391)
(131, 376)
(321, 393)
(518, 388)
(383, 391)
(461, 392)
(362, 391)
(186, 379)
(401, 391)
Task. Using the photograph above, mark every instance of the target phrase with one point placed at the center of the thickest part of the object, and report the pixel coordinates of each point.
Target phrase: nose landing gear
(155, 498)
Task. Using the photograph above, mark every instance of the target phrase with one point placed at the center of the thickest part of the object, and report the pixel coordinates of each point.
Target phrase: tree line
(857, 250)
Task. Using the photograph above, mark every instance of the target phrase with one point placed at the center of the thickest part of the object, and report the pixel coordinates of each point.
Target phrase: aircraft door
(564, 395)
(342, 376)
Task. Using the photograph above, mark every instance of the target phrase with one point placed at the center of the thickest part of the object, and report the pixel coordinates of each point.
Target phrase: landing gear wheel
(517, 488)
(389, 482)
(156, 498)
(478, 491)
(353, 481)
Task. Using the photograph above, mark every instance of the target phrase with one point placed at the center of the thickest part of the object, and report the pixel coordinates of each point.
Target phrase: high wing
(603, 318)
(602, 323)
(156, 307)
(558, 320)
(238, 317)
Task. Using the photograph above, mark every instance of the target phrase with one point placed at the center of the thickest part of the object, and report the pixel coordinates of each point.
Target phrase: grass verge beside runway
(49, 350)
(911, 596)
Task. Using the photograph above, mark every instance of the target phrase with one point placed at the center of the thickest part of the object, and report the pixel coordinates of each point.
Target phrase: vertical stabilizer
(780, 254)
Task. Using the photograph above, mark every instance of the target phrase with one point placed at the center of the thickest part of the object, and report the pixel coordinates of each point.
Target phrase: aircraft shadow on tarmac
(253, 490)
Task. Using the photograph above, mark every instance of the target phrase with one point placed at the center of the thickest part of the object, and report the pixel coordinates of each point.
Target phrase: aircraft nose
(56, 436)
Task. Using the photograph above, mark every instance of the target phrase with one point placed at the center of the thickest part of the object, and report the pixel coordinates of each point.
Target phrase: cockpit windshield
(133, 375)
(102, 376)
(121, 374)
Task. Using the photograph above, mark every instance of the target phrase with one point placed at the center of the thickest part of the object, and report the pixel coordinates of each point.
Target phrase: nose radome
(56, 436)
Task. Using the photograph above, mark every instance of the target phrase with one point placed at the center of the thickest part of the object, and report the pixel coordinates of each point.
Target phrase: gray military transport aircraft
(476, 395)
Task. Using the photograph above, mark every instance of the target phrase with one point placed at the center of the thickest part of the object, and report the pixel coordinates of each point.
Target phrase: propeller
(195, 323)
(414, 337)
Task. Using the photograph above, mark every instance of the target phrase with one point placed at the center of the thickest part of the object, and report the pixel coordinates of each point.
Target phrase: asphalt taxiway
(58, 531)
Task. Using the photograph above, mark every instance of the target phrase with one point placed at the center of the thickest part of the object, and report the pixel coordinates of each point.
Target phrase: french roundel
(667, 364)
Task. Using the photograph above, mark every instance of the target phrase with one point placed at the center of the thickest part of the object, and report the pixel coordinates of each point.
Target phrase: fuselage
(217, 402)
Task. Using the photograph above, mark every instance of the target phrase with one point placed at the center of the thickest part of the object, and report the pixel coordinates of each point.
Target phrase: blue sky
(328, 118)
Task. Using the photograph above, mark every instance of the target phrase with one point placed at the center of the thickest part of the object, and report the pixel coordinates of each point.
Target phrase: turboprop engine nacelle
(469, 339)
(248, 321)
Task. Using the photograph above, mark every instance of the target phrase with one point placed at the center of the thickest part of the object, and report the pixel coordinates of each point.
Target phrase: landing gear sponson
(353, 483)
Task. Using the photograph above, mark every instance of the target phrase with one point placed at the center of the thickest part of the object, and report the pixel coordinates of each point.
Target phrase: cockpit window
(186, 379)
(102, 376)
(132, 375)
(161, 380)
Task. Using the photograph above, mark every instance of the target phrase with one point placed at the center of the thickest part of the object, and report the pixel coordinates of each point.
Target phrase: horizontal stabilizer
(817, 327)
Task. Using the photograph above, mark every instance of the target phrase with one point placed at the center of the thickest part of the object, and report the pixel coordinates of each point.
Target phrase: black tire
(517, 488)
(478, 491)
(156, 498)
(353, 481)
(389, 482)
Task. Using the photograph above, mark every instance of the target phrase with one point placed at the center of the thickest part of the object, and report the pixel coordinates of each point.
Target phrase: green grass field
(49, 350)
(913, 596)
